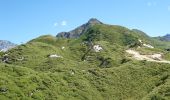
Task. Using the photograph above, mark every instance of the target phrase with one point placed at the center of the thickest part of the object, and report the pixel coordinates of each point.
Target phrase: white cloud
(56, 24)
(168, 8)
(154, 3)
(149, 4)
(64, 23)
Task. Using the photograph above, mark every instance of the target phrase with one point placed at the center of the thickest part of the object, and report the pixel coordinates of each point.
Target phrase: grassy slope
(41, 77)
(129, 81)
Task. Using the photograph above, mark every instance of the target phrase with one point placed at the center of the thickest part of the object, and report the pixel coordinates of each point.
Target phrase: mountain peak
(94, 21)
(79, 30)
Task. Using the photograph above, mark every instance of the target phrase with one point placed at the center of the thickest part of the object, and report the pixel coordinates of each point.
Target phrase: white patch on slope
(148, 45)
(152, 58)
(97, 48)
(145, 45)
(55, 56)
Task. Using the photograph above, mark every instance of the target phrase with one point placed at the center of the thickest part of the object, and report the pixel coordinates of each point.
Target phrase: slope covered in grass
(81, 73)
(132, 81)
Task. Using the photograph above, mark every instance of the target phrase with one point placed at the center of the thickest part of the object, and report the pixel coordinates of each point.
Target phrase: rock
(153, 58)
(140, 41)
(72, 72)
(145, 45)
(6, 45)
(3, 90)
(20, 59)
(156, 56)
(97, 48)
(55, 56)
(148, 45)
(167, 49)
(5, 58)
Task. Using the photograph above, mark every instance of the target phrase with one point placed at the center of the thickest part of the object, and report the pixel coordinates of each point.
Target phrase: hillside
(91, 64)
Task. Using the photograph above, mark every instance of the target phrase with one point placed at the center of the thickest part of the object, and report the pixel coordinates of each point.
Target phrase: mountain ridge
(164, 38)
(79, 30)
(6, 45)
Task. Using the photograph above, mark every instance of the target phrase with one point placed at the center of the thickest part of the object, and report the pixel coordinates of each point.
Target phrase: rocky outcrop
(157, 57)
(97, 48)
(79, 30)
(54, 56)
(6, 45)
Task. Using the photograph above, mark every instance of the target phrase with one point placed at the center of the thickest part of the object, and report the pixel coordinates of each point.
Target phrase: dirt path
(152, 58)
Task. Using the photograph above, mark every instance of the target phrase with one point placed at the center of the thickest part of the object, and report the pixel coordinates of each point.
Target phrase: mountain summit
(94, 21)
(79, 30)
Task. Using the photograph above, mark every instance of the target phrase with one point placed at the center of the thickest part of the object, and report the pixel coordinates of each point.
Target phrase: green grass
(82, 73)
(129, 81)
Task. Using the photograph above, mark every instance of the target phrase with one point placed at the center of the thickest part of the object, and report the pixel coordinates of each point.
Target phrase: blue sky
(22, 20)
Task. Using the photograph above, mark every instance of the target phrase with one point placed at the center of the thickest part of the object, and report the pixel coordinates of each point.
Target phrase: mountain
(93, 65)
(118, 33)
(6, 45)
(164, 38)
(79, 30)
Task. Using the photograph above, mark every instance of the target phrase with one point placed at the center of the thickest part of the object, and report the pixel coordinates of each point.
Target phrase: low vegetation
(83, 74)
